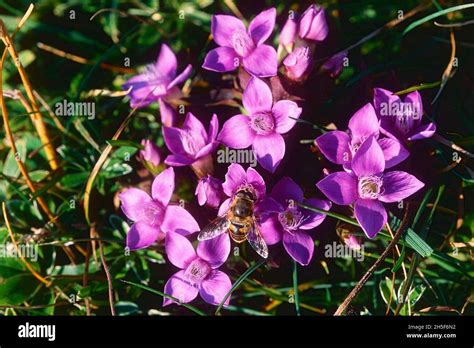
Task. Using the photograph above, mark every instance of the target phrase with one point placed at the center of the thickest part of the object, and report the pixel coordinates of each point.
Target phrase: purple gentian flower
(335, 64)
(239, 46)
(157, 83)
(150, 153)
(401, 119)
(340, 147)
(367, 186)
(298, 63)
(292, 222)
(192, 145)
(199, 269)
(263, 127)
(313, 24)
(209, 191)
(289, 31)
(154, 216)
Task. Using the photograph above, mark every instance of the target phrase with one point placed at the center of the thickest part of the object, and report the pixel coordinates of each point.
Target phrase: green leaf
(10, 166)
(17, 289)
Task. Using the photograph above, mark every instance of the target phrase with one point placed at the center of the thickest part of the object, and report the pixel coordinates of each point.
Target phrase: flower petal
(393, 152)
(257, 97)
(142, 235)
(364, 123)
(163, 186)
(166, 63)
(179, 250)
(384, 102)
(339, 187)
(262, 62)
(213, 128)
(399, 185)
(423, 132)
(286, 113)
(181, 77)
(369, 159)
(215, 251)
(414, 98)
(261, 26)
(221, 59)
(256, 180)
(371, 215)
(314, 219)
(271, 230)
(167, 113)
(215, 287)
(286, 189)
(179, 220)
(195, 127)
(234, 177)
(236, 132)
(269, 150)
(335, 146)
(313, 25)
(299, 245)
(133, 201)
(179, 160)
(178, 287)
(223, 27)
(288, 32)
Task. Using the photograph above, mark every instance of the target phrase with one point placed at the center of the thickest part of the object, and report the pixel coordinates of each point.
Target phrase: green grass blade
(295, 288)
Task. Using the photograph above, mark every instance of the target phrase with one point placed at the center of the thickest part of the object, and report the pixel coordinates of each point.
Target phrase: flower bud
(313, 25)
(209, 191)
(298, 63)
(335, 64)
(151, 153)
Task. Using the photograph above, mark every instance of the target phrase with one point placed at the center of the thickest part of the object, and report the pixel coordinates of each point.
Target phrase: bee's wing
(256, 240)
(214, 229)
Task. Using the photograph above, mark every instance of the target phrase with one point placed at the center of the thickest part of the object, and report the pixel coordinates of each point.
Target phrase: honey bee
(240, 222)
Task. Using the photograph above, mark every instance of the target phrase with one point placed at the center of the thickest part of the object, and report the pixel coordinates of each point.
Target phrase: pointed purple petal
(179, 160)
(163, 186)
(234, 177)
(369, 159)
(213, 128)
(262, 61)
(289, 31)
(335, 146)
(313, 25)
(393, 151)
(181, 77)
(215, 287)
(223, 28)
(339, 187)
(269, 150)
(271, 230)
(178, 287)
(286, 113)
(133, 201)
(286, 189)
(423, 132)
(314, 219)
(261, 26)
(179, 250)
(236, 133)
(257, 97)
(384, 100)
(142, 235)
(167, 113)
(414, 98)
(215, 251)
(221, 59)
(399, 185)
(364, 123)
(256, 180)
(371, 215)
(179, 220)
(166, 63)
(300, 246)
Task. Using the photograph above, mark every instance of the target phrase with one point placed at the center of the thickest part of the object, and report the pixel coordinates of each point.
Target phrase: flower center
(370, 187)
(291, 219)
(197, 271)
(354, 146)
(403, 122)
(242, 43)
(153, 213)
(263, 123)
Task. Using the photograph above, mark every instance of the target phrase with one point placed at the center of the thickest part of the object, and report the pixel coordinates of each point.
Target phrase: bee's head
(246, 193)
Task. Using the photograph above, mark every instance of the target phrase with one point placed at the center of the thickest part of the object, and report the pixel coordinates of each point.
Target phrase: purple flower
(335, 64)
(239, 46)
(209, 191)
(157, 83)
(289, 31)
(401, 119)
(150, 153)
(313, 24)
(192, 145)
(367, 186)
(340, 147)
(199, 269)
(263, 127)
(154, 216)
(237, 178)
(298, 63)
(292, 223)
